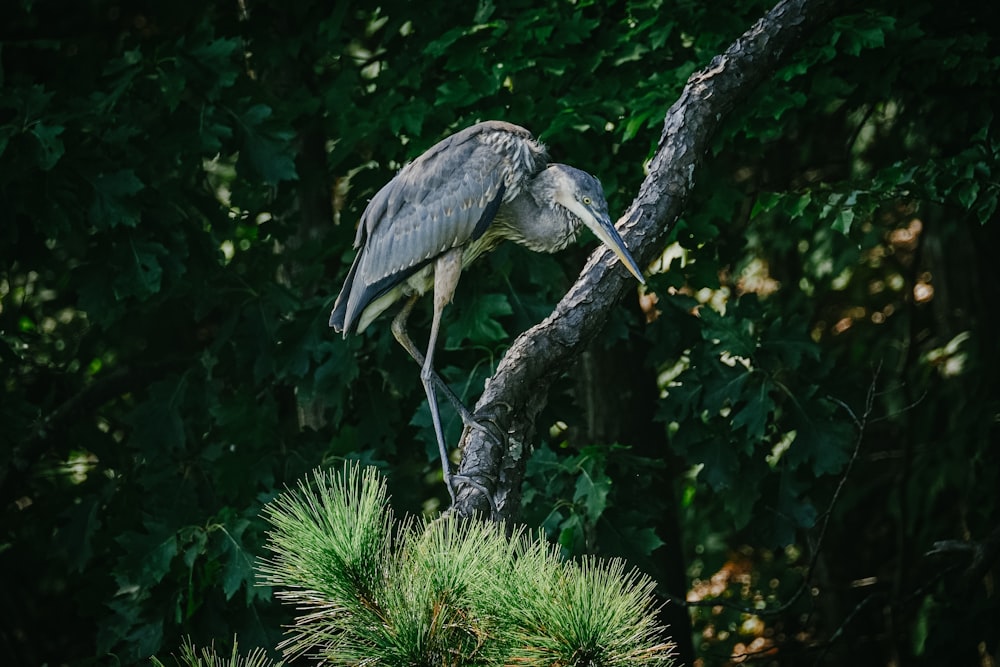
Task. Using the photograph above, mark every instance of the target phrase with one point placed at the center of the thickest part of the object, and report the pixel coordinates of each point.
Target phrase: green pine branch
(373, 590)
(207, 657)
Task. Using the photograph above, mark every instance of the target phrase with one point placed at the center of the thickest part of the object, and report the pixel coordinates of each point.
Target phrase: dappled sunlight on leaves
(180, 189)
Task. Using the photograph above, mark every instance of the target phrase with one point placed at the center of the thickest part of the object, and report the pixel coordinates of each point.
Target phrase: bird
(488, 183)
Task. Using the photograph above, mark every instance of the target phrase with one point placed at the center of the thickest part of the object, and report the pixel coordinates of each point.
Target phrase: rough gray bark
(517, 392)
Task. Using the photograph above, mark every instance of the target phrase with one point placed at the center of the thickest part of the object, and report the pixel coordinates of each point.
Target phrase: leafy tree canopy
(794, 429)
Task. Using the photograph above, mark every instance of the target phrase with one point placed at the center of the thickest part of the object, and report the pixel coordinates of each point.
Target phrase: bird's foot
(494, 509)
(487, 423)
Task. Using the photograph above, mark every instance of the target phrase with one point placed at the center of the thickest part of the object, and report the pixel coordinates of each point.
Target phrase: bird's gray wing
(443, 199)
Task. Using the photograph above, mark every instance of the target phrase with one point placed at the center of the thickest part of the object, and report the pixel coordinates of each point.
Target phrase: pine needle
(446, 592)
(207, 657)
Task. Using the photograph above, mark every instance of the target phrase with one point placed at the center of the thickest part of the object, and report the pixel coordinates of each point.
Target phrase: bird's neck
(533, 220)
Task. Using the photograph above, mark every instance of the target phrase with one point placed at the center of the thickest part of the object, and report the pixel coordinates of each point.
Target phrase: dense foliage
(798, 432)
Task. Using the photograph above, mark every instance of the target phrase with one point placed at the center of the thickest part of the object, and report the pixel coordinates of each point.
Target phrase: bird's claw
(481, 489)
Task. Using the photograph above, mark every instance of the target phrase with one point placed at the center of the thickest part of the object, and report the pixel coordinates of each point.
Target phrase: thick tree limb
(516, 393)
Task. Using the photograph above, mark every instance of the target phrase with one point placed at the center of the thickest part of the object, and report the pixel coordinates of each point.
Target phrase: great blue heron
(474, 189)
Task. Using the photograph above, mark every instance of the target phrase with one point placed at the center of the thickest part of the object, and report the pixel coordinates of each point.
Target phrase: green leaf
(212, 132)
(795, 205)
(987, 206)
(723, 389)
(843, 221)
(635, 124)
(764, 202)
(632, 52)
(217, 50)
(820, 442)
(790, 513)
(788, 341)
(143, 641)
(50, 146)
(172, 86)
(219, 57)
(922, 627)
(238, 569)
(96, 295)
(571, 534)
(729, 333)
(440, 46)
(721, 463)
(82, 522)
(740, 499)
(642, 540)
(142, 273)
(257, 114)
(148, 555)
(967, 192)
(157, 425)
(755, 408)
(476, 321)
(266, 150)
(195, 539)
(410, 119)
(111, 206)
(270, 158)
(592, 488)
(858, 37)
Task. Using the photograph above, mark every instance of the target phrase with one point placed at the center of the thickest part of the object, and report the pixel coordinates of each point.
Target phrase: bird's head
(582, 195)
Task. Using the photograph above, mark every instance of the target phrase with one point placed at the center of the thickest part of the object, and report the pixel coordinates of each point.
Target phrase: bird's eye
(586, 200)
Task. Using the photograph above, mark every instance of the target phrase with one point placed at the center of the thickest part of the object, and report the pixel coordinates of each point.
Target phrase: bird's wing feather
(441, 200)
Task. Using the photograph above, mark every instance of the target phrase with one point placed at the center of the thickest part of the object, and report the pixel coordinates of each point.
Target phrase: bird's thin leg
(447, 269)
(400, 333)
(442, 295)
(403, 338)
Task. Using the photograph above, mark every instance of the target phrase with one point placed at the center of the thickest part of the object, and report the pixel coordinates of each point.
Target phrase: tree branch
(516, 393)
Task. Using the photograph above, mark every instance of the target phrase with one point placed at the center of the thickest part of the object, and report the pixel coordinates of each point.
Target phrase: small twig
(906, 408)
(710, 602)
(838, 633)
(861, 424)
(931, 582)
(847, 409)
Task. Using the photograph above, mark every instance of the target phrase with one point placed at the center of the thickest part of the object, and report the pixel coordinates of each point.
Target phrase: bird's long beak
(605, 230)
